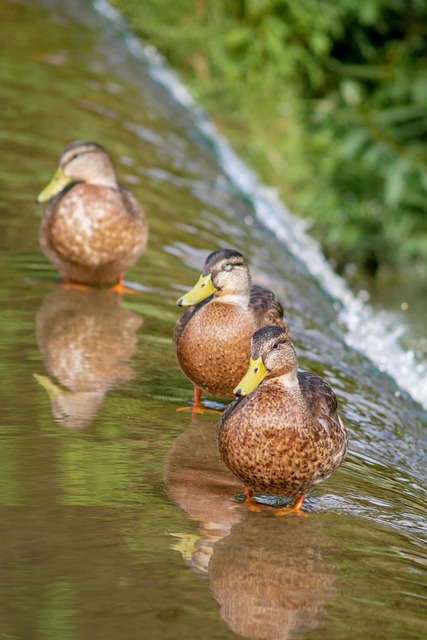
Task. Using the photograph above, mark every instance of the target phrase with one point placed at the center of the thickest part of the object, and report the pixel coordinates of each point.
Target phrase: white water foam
(374, 333)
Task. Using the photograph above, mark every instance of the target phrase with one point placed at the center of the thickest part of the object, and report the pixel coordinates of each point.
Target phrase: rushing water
(114, 514)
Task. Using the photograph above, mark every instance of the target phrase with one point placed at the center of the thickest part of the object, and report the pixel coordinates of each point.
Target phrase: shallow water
(115, 513)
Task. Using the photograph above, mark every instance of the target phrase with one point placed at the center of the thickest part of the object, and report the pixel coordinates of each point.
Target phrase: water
(114, 508)
(376, 334)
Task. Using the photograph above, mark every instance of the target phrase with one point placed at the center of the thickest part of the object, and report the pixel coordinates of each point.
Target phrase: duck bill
(53, 390)
(254, 376)
(55, 186)
(201, 290)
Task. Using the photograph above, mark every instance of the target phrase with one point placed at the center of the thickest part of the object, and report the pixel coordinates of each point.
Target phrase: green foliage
(333, 98)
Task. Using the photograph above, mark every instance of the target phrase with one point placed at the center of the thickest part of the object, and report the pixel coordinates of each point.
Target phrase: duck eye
(276, 345)
(228, 267)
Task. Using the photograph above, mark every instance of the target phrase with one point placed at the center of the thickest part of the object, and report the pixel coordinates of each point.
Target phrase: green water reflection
(115, 518)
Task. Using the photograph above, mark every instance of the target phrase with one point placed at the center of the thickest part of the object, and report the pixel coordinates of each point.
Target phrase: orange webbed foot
(296, 509)
(197, 407)
(198, 410)
(69, 284)
(249, 503)
(120, 288)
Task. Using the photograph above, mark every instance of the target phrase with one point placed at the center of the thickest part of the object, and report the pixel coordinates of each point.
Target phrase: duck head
(226, 275)
(80, 161)
(272, 355)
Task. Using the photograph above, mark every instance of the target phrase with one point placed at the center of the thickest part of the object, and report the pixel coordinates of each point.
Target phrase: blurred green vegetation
(327, 101)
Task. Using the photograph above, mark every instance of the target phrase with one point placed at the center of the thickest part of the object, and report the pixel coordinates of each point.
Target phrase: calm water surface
(115, 519)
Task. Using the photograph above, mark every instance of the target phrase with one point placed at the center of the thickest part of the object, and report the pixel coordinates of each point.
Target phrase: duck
(92, 229)
(283, 434)
(212, 338)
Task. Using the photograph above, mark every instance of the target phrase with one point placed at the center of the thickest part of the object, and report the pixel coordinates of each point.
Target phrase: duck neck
(231, 297)
(237, 292)
(102, 173)
(290, 383)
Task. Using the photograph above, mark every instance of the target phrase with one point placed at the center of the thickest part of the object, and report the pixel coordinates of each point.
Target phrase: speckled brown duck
(283, 435)
(212, 338)
(93, 229)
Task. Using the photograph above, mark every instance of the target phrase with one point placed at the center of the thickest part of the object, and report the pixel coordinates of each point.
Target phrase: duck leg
(296, 508)
(249, 502)
(69, 284)
(121, 288)
(197, 406)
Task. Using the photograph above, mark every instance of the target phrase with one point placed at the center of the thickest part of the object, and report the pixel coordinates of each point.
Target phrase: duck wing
(320, 398)
(266, 307)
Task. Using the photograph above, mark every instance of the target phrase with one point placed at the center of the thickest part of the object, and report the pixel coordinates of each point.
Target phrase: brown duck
(212, 338)
(92, 229)
(286, 436)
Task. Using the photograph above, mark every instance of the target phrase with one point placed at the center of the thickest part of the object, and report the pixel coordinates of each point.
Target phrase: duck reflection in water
(270, 576)
(200, 483)
(87, 339)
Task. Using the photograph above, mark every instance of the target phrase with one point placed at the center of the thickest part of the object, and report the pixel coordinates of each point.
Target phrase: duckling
(212, 338)
(93, 229)
(283, 434)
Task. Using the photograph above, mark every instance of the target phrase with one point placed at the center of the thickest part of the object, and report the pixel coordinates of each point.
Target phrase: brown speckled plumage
(286, 436)
(93, 229)
(212, 338)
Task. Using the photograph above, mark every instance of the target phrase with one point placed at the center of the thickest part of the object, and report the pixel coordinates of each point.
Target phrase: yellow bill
(254, 376)
(52, 389)
(201, 290)
(55, 186)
